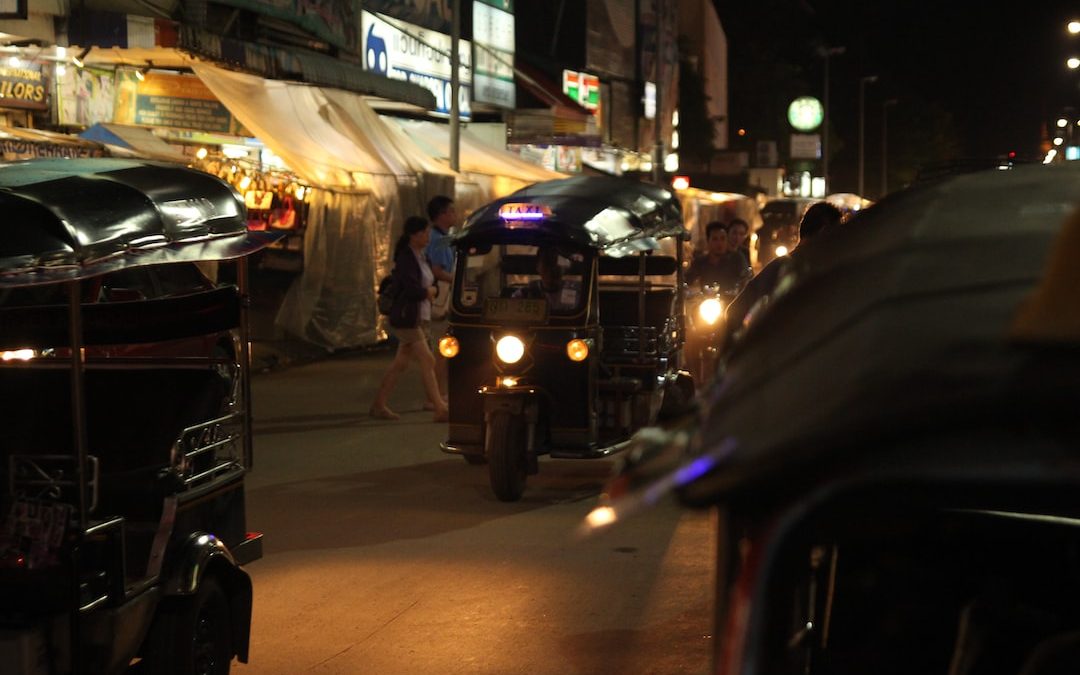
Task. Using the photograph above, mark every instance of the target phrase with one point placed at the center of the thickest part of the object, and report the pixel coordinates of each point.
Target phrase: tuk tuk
(565, 332)
(892, 449)
(126, 420)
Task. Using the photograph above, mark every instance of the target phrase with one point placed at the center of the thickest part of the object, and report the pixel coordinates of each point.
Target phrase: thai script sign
(403, 51)
(493, 36)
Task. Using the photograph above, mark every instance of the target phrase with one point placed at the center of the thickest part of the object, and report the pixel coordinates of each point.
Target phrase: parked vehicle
(892, 450)
(779, 232)
(565, 334)
(126, 420)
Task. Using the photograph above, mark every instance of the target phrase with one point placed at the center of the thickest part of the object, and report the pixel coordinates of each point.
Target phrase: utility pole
(826, 54)
(455, 86)
(658, 119)
(863, 81)
(885, 146)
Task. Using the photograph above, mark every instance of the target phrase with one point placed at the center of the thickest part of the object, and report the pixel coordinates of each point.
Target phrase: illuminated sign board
(493, 41)
(583, 88)
(23, 86)
(403, 51)
(805, 113)
(524, 211)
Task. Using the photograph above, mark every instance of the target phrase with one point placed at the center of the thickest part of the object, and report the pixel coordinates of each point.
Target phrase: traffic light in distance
(1012, 154)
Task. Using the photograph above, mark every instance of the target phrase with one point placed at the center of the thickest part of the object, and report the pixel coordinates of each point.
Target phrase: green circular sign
(805, 113)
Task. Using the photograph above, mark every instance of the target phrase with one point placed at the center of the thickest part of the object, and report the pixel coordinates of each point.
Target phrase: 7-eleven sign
(583, 88)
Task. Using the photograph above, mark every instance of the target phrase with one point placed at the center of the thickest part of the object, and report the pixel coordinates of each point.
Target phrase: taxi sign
(524, 211)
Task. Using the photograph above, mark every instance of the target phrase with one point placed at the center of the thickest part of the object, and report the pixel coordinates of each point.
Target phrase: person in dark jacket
(409, 320)
(818, 217)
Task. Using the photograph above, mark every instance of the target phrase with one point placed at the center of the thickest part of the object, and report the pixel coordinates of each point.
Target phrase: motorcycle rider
(720, 265)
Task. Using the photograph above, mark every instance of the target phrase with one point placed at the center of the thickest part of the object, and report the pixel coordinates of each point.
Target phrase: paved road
(384, 555)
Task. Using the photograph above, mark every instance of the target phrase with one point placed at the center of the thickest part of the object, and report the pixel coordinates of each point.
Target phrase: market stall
(364, 181)
(497, 172)
(139, 140)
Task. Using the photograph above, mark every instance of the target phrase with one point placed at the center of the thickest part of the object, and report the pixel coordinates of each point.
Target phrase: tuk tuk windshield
(505, 282)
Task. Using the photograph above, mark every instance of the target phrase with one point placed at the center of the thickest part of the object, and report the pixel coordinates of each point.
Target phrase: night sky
(999, 75)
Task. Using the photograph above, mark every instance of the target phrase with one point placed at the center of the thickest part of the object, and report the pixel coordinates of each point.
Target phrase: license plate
(515, 310)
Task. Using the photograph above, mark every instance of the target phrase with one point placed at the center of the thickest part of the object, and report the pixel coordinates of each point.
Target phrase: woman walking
(409, 319)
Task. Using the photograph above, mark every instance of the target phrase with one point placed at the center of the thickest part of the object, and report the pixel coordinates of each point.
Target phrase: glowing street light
(1074, 27)
(1062, 122)
(1073, 63)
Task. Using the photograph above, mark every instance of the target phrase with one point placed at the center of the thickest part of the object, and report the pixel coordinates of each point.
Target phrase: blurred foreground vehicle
(893, 447)
(126, 421)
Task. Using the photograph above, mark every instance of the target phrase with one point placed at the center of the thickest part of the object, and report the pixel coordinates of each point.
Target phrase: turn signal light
(577, 350)
(448, 346)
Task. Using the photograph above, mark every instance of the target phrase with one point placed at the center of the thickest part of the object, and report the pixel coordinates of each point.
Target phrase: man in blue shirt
(440, 255)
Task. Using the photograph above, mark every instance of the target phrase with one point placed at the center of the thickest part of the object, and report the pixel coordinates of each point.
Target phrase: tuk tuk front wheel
(505, 449)
(191, 635)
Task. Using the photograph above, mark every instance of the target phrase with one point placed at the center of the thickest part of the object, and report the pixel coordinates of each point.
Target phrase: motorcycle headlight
(510, 349)
(710, 310)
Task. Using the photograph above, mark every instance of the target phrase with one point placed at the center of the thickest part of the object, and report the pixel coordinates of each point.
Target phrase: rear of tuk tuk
(568, 363)
(892, 450)
(126, 422)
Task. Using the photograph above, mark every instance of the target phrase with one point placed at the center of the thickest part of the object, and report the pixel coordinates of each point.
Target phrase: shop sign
(14, 150)
(168, 100)
(13, 9)
(23, 86)
(805, 113)
(431, 14)
(408, 52)
(649, 100)
(85, 96)
(806, 146)
(493, 36)
(583, 88)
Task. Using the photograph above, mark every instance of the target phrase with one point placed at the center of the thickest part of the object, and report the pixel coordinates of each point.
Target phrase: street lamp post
(863, 81)
(885, 145)
(826, 53)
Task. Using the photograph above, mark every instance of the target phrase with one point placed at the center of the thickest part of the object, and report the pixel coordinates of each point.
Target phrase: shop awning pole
(455, 85)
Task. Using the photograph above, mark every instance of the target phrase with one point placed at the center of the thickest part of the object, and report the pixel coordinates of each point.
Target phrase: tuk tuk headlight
(710, 310)
(448, 346)
(577, 349)
(510, 349)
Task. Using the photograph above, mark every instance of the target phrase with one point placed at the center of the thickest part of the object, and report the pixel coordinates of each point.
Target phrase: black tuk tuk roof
(906, 323)
(616, 215)
(68, 219)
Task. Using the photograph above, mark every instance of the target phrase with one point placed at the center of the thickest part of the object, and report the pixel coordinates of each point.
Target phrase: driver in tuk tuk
(561, 294)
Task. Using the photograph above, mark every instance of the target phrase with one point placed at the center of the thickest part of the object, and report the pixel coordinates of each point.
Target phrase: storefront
(315, 162)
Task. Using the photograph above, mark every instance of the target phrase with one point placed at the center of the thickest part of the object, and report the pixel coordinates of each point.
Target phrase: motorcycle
(705, 330)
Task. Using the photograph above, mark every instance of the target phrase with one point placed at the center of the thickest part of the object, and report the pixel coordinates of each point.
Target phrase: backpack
(388, 292)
